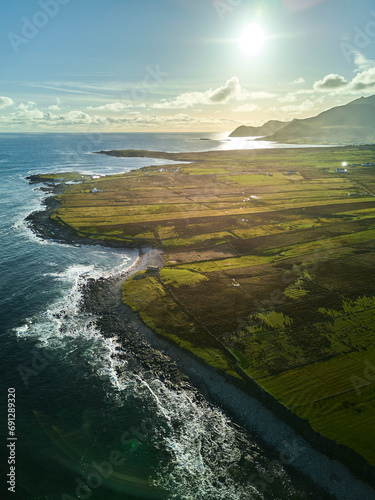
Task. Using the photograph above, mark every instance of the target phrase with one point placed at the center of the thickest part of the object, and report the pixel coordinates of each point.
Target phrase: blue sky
(177, 65)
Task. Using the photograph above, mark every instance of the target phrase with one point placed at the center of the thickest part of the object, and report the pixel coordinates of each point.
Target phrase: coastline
(42, 225)
(177, 367)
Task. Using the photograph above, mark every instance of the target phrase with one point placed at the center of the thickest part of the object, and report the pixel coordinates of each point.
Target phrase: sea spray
(63, 327)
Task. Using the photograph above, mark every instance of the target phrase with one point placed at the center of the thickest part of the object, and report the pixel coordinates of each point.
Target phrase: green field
(266, 269)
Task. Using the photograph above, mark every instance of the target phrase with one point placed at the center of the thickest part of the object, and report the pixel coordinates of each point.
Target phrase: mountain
(352, 123)
(268, 128)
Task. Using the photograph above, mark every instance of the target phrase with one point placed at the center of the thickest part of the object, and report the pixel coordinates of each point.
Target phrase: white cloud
(178, 119)
(28, 105)
(298, 81)
(117, 106)
(296, 95)
(56, 106)
(232, 90)
(361, 83)
(261, 95)
(76, 117)
(364, 81)
(288, 98)
(330, 82)
(362, 62)
(298, 108)
(5, 102)
(28, 111)
(245, 108)
(75, 87)
(28, 116)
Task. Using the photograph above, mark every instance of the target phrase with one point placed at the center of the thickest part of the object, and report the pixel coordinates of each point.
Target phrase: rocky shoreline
(180, 368)
(102, 298)
(46, 228)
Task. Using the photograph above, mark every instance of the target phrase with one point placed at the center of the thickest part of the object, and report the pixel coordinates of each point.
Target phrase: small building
(341, 170)
(292, 172)
(153, 269)
(367, 164)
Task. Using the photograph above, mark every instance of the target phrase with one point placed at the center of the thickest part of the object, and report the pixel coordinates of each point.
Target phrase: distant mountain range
(353, 123)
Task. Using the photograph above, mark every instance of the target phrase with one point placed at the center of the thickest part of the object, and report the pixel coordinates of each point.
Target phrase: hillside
(268, 128)
(353, 123)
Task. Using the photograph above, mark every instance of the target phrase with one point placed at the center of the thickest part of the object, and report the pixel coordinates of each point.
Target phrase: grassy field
(269, 266)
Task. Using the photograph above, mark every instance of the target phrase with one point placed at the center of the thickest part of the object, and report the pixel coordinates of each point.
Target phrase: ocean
(86, 427)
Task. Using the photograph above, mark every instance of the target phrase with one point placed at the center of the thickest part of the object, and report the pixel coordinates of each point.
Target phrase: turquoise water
(88, 425)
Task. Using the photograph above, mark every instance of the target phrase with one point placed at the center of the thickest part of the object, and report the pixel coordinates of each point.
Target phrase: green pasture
(240, 224)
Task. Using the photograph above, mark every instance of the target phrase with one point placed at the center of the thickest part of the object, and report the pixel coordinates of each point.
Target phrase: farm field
(269, 265)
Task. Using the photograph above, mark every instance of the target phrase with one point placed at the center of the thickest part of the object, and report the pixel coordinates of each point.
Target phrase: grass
(258, 179)
(274, 319)
(181, 277)
(197, 239)
(295, 290)
(274, 271)
(227, 264)
(146, 295)
(324, 391)
(337, 397)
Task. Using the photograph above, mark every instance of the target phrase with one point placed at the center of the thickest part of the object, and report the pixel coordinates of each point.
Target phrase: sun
(251, 40)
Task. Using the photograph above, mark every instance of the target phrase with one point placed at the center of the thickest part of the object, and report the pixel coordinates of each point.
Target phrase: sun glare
(252, 39)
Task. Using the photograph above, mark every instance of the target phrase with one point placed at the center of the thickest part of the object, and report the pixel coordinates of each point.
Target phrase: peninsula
(266, 273)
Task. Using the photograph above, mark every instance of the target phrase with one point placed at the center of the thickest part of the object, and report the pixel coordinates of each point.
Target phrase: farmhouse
(153, 269)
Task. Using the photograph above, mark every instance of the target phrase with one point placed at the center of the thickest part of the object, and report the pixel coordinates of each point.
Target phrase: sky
(179, 65)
